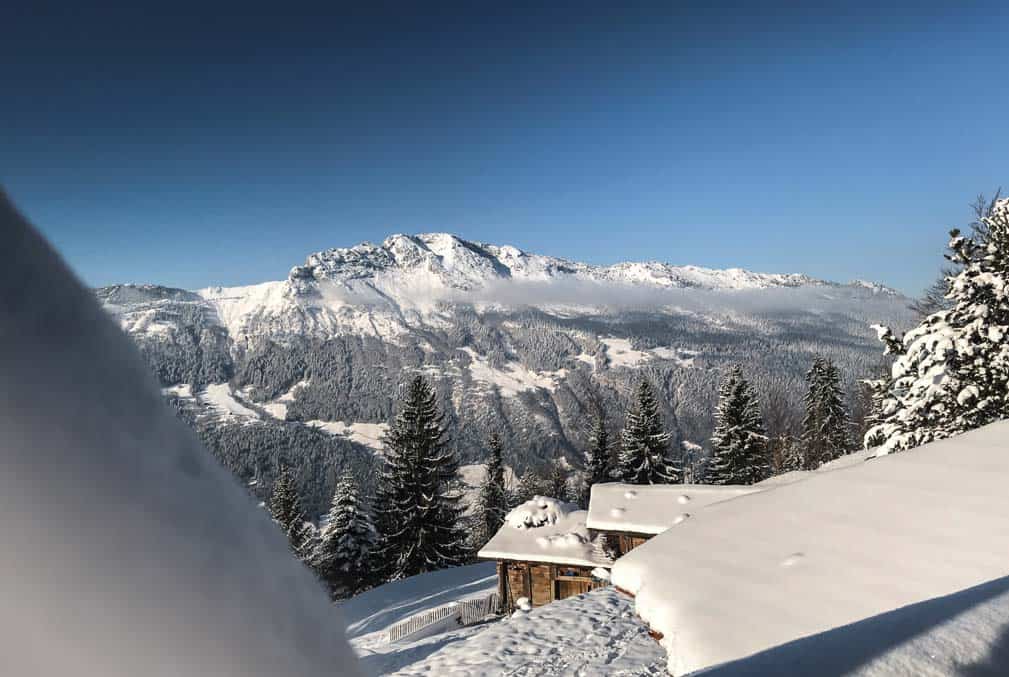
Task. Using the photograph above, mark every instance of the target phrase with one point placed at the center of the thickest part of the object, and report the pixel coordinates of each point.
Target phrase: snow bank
(652, 508)
(126, 549)
(829, 549)
(546, 530)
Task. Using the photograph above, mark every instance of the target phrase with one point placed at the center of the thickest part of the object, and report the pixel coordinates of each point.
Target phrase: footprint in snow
(792, 559)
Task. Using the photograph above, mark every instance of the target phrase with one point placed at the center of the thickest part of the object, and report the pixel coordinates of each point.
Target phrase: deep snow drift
(837, 547)
(126, 549)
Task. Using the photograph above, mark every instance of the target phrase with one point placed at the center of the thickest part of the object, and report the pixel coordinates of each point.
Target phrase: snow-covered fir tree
(285, 507)
(739, 442)
(417, 505)
(825, 426)
(492, 503)
(951, 372)
(645, 455)
(344, 554)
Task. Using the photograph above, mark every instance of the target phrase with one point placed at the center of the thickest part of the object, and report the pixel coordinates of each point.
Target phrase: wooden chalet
(627, 515)
(544, 552)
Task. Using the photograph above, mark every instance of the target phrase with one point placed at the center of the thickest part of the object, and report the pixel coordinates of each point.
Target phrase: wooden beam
(623, 592)
(503, 598)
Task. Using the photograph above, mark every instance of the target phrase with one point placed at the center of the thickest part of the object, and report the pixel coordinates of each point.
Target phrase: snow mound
(862, 540)
(538, 511)
(546, 530)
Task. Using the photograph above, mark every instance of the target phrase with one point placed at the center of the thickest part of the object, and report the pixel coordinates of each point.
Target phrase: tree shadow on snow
(843, 650)
(996, 664)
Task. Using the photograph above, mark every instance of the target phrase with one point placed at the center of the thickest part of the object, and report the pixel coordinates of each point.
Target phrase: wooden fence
(456, 614)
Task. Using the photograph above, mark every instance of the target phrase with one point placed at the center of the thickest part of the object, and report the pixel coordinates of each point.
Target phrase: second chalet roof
(547, 530)
(652, 508)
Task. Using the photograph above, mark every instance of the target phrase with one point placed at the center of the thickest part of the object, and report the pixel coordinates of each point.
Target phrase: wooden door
(541, 579)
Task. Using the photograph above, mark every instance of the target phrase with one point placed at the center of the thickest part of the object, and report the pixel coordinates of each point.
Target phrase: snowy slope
(589, 635)
(834, 548)
(127, 549)
(515, 343)
(592, 635)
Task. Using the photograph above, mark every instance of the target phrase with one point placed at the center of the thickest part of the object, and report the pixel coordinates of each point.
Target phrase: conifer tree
(645, 456)
(597, 458)
(825, 426)
(557, 482)
(417, 507)
(493, 498)
(285, 507)
(345, 552)
(529, 485)
(739, 442)
(950, 372)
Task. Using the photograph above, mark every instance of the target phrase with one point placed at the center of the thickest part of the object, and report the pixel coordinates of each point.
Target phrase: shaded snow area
(127, 549)
(546, 530)
(513, 378)
(651, 509)
(371, 614)
(592, 635)
(894, 564)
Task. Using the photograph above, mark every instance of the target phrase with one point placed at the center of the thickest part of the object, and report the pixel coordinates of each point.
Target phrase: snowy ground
(371, 614)
(590, 635)
(594, 634)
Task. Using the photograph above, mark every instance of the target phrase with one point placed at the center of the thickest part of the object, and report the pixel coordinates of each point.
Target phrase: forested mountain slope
(517, 343)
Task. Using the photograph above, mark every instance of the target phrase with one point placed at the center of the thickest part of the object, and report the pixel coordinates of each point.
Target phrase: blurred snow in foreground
(126, 549)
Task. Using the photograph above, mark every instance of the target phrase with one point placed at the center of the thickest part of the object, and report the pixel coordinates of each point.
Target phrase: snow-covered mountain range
(307, 368)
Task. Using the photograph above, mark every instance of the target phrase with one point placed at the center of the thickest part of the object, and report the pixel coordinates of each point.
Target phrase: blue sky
(193, 146)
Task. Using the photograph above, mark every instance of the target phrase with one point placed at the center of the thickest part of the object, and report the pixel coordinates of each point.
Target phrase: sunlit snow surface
(591, 635)
(854, 544)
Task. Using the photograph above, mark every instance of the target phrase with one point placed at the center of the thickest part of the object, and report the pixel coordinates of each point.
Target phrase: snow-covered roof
(545, 529)
(827, 550)
(652, 508)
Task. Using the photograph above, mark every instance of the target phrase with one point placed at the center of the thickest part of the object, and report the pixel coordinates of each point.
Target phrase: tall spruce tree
(345, 552)
(825, 426)
(645, 455)
(417, 507)
(739, 442)
(950, 372)
(285, 507)
(493, 498)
